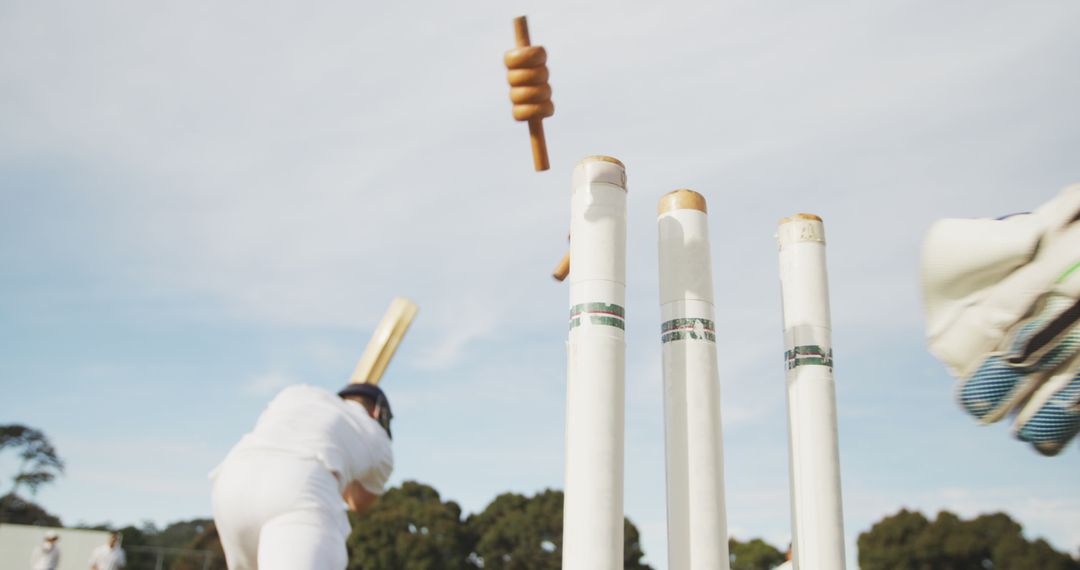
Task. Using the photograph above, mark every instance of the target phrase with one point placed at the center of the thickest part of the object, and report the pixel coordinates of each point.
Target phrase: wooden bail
(563, 268)
(527, 74)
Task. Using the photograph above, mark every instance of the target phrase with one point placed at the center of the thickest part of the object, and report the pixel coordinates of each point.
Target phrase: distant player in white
(788, 564)
(46, 555)
(277, 497)
(108, 556)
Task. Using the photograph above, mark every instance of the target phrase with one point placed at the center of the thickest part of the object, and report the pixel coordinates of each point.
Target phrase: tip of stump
(602, 158)
(681, 199)
(797, 217)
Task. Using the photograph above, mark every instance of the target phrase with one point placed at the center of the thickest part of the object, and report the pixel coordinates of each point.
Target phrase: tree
(755, 554)
(525, 533)
(181, 534)
(515, 532)
(206, 540)
(17, 510)
(410, 528)
(40, 464)
(891, 543)
(632, 551)
(137, 559)
(909, 541)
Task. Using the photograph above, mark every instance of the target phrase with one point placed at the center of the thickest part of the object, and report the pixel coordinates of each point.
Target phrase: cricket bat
(384, 342)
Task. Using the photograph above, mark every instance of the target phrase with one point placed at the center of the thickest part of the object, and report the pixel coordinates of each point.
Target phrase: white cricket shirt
(310, 422)
(46, 557)
(105, 558)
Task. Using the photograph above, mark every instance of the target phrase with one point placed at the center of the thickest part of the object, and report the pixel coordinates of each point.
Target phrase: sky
(204, 202)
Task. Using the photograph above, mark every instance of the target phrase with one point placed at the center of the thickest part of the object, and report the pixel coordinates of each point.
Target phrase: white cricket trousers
(278, 512)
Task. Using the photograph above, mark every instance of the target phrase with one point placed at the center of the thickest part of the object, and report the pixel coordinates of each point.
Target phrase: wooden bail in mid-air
(527, 74)
(384, 342)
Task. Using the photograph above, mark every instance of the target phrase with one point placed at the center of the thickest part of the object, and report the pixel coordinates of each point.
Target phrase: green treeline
(411, 527)
(910, 541)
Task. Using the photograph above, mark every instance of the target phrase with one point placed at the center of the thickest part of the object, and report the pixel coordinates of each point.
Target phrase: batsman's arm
(358, 498)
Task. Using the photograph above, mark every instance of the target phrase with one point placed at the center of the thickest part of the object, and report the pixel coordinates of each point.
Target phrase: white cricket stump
(696, 511)
(596, 352)
(813, 446)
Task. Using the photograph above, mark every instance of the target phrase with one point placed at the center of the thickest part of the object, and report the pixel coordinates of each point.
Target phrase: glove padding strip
(1052, 338)
(999, 383)
(1052, 417)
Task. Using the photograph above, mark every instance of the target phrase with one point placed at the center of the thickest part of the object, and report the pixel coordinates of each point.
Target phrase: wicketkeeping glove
(1002, 300)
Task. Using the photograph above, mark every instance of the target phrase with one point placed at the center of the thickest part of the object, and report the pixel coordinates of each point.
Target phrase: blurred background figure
(108, 556)
(46, 556)
(788, 564)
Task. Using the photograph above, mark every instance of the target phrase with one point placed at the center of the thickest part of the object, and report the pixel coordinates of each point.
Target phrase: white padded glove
(1002, 300)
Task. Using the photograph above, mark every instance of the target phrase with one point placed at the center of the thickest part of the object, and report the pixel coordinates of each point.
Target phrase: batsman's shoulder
(305, 391)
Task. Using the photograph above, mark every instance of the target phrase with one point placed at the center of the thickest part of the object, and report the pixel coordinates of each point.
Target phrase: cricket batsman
(279, 497)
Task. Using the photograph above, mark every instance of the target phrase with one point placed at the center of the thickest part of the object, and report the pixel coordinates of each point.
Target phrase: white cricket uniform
(277, 497)
(105, 558)
(46, 557)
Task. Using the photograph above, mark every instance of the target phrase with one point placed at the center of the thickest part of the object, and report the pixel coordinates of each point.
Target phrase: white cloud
(298, 176)
(461, 325)
(268, 384)
(295, 167)
(129, 478)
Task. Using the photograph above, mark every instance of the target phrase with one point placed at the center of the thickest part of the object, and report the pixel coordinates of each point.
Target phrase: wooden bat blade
(384, 342)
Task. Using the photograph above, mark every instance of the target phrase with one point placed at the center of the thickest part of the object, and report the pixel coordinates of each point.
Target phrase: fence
(165, 558)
